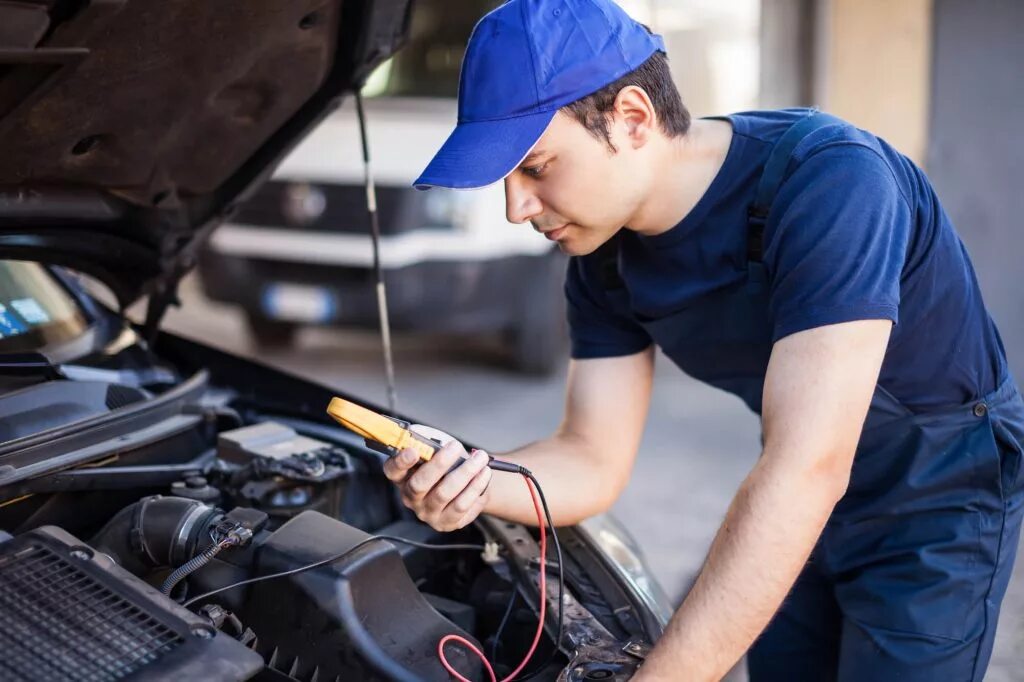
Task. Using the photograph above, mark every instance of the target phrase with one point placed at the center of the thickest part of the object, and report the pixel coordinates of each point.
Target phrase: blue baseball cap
(526, 60)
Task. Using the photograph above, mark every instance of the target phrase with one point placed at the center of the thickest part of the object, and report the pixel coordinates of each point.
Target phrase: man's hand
(445, 501)
(594, 449)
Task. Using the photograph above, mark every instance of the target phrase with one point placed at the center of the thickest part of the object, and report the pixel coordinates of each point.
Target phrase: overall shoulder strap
(608, 264)
(773, 174)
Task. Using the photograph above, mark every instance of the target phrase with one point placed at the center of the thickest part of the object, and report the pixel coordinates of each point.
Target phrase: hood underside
(131, 128)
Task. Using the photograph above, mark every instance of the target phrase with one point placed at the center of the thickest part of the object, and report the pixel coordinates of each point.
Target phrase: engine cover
(361, 617)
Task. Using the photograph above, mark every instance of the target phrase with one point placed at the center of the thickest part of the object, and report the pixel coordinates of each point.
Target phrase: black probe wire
(504, 622)
(512, 467)
(331, 559)
(561, 579)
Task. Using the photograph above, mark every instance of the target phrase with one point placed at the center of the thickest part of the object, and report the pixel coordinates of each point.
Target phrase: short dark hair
(654, 78)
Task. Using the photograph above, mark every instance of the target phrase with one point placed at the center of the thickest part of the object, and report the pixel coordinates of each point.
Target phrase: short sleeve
(596, 329)
(835, 241)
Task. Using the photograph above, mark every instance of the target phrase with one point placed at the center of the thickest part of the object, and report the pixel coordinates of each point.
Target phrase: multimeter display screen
(35, 310)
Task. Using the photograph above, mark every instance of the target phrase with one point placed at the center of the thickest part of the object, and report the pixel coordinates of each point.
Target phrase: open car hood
(130, 129)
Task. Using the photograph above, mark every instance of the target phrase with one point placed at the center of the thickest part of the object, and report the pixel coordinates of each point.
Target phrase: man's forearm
(572, 481)
(760, 549)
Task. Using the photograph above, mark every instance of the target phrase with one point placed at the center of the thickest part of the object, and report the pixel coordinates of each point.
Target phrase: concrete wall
(787, 53)
(868, 61)
(976, 151)
(876, 61)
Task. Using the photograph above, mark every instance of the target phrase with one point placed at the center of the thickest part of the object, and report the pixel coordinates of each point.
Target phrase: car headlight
(626, 560)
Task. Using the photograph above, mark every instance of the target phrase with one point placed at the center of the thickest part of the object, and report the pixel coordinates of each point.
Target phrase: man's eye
(534, 171)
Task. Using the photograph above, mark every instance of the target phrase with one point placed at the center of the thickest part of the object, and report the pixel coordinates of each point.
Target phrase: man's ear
(634, 108)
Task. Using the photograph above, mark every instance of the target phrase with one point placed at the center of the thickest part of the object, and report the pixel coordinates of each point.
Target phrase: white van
(299, 251)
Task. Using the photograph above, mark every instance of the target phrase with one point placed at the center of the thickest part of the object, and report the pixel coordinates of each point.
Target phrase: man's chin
(580, 242)
(577, 247)
(570, 248)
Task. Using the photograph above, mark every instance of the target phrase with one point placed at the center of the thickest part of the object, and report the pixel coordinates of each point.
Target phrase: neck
(687, 166)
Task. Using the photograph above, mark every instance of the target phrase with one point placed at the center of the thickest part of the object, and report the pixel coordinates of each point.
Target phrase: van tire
(540, 339)
(270, 334)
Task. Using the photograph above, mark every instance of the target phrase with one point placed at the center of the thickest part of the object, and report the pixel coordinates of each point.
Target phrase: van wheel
(269, 333)
(540, 340)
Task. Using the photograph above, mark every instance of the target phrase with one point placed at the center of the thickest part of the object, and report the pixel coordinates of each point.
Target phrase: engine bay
(236, 509)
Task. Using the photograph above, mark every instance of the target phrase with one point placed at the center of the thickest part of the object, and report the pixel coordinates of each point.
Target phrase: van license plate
(298, 303)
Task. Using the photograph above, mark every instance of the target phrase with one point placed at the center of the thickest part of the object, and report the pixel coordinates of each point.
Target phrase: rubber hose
(152, 532)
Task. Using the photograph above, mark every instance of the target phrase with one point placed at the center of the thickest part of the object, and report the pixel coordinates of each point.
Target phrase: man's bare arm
(816, 396)
(583, 467)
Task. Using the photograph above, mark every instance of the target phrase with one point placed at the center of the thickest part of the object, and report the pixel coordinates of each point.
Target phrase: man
(793, 260)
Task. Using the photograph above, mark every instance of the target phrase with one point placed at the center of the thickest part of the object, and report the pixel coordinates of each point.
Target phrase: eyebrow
(532, 156)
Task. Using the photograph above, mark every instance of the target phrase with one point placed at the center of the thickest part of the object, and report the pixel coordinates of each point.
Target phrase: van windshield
(428, 65)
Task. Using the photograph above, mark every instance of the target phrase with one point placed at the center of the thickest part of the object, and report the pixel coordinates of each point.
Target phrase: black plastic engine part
(273, 468)
(283, 452)
(157, 531)
(361, 617)
(70, 613)
(44, 406)
(196, 488)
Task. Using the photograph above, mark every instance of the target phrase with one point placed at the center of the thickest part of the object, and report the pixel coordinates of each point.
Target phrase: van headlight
(302, 203)
(446, 208)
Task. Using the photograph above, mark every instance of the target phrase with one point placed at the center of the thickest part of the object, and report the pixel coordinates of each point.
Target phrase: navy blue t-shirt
(855, 232)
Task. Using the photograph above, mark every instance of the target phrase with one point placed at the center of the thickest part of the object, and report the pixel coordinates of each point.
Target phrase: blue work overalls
(906, 579)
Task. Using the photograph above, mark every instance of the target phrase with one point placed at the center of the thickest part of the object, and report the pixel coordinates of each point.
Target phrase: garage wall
(874, 67)
(976, 149)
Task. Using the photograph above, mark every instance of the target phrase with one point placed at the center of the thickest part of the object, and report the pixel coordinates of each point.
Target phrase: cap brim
(482, 153)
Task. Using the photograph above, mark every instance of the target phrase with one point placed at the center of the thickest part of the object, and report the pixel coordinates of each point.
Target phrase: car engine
(215, 535)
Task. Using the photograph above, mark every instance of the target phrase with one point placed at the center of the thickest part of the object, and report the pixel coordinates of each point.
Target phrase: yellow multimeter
(390, 436)
(382, 433)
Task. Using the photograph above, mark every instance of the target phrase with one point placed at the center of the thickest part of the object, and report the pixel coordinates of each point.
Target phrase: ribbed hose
(190, 566)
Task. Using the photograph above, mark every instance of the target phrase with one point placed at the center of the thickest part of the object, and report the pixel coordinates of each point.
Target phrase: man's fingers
(470, 494)
(396, 468)
(428, 474)
(447, 492)
(456, 483)
(474, 511)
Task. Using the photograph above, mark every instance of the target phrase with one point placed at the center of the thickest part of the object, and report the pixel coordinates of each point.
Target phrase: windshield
(35, 310)
(428, 65)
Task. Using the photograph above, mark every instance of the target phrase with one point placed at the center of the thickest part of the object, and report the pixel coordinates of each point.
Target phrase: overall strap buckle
(757, 216)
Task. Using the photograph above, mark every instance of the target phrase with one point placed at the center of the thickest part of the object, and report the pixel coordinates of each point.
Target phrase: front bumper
(468, 297)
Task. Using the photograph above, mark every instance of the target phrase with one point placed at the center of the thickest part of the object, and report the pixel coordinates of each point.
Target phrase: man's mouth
(555, 234)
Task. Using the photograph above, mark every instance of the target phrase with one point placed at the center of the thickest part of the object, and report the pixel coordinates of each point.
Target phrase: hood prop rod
(382, 299)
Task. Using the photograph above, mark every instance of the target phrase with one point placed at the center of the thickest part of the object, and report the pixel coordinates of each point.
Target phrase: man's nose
(521, 204)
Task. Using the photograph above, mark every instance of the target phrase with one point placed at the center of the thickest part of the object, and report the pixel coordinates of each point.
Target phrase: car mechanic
(789, 258)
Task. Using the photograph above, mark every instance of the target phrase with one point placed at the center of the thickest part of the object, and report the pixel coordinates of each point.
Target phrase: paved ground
(698, 446)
